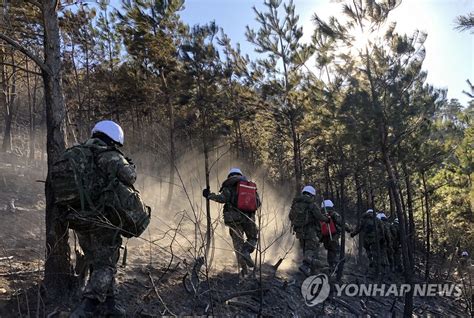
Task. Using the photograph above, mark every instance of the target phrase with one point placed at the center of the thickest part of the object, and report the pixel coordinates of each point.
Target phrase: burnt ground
(151, 284)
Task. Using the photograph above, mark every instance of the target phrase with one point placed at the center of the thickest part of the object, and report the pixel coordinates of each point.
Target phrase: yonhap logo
(315, 289)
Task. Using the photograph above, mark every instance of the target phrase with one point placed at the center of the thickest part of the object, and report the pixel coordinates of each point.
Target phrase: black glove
(206, 192)
(352, 234)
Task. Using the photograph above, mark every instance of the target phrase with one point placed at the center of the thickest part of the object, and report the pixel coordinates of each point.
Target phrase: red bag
(246, 196)
(325, 228)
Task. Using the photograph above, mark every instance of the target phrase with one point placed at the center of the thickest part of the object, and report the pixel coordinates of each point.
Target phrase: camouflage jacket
(307, 205)
(368, 225)
(387, 232)
(113, 163)
(395, 234)
(228, 193)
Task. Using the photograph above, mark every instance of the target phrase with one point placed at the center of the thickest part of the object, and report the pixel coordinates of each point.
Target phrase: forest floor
(151, 284)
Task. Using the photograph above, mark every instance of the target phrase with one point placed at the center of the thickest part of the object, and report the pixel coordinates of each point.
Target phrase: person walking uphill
(369, 225)
(305, 218)
(331, 232)
(93, 187)
(241, 201)
(386, 243)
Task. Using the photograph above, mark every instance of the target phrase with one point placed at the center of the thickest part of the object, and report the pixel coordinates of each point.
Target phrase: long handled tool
(327, 224)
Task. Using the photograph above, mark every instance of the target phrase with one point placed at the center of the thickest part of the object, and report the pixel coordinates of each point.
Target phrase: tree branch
(26, 52)
(21, 68)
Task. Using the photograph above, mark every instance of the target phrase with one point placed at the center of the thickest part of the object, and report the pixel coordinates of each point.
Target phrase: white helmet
(464, 254)
(235, 171)
(309, 189)
(395, 220)
(111, 129)
(327, 204)
(381, 215)
(369, 211)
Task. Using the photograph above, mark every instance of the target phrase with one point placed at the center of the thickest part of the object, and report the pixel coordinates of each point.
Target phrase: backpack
(89, 199)
(76, 180)
(369, 227)
(326, 229)
(129, 212)
(246, 196)
(299, 215)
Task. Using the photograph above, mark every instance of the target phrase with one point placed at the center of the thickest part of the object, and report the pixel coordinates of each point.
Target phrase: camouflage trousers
(332, 247)
(244, 237)
(396, 258)
(308, 237)
(370, 247)
(310, 247)
(101, 253)
(385, 251)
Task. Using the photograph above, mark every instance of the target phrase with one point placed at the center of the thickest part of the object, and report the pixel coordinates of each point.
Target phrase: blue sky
(450, 53)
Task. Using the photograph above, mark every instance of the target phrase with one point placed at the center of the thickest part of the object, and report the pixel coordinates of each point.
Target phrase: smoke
(178, 227)
(182, 222)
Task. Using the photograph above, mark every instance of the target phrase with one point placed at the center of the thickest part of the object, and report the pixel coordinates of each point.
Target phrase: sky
(449, 53)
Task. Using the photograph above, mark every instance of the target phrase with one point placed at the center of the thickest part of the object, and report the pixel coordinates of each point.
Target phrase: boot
(111, 309)
(247, 257)
(86, 308)
(243, 272)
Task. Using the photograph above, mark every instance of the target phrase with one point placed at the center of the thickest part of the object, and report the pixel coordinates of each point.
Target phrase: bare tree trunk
(392, 204)
(208, 204)
(241, 138)
(326, 179)
(428, 228)
(422, 204)
(342, 253)
(359, 210)
(9, 90)
(172, 155)
(296, 158)
(408, 268)
(411, 219)
(32, 110)
(58, 271)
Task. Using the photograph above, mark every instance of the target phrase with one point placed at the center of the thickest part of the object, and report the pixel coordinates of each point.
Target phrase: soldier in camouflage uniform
(242, 227)
(331, 243)
(385, 242)
(101, 244)
(396, 265)
(368, 225)
(305, 218)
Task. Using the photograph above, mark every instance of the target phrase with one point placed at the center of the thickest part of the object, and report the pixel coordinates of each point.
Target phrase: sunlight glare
(361, 40)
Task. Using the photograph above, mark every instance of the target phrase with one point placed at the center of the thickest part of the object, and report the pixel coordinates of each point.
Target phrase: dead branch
(21, 273)
(26, 52)
(347, 306)
(238, 294)
(244, 305)
(158, 295)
